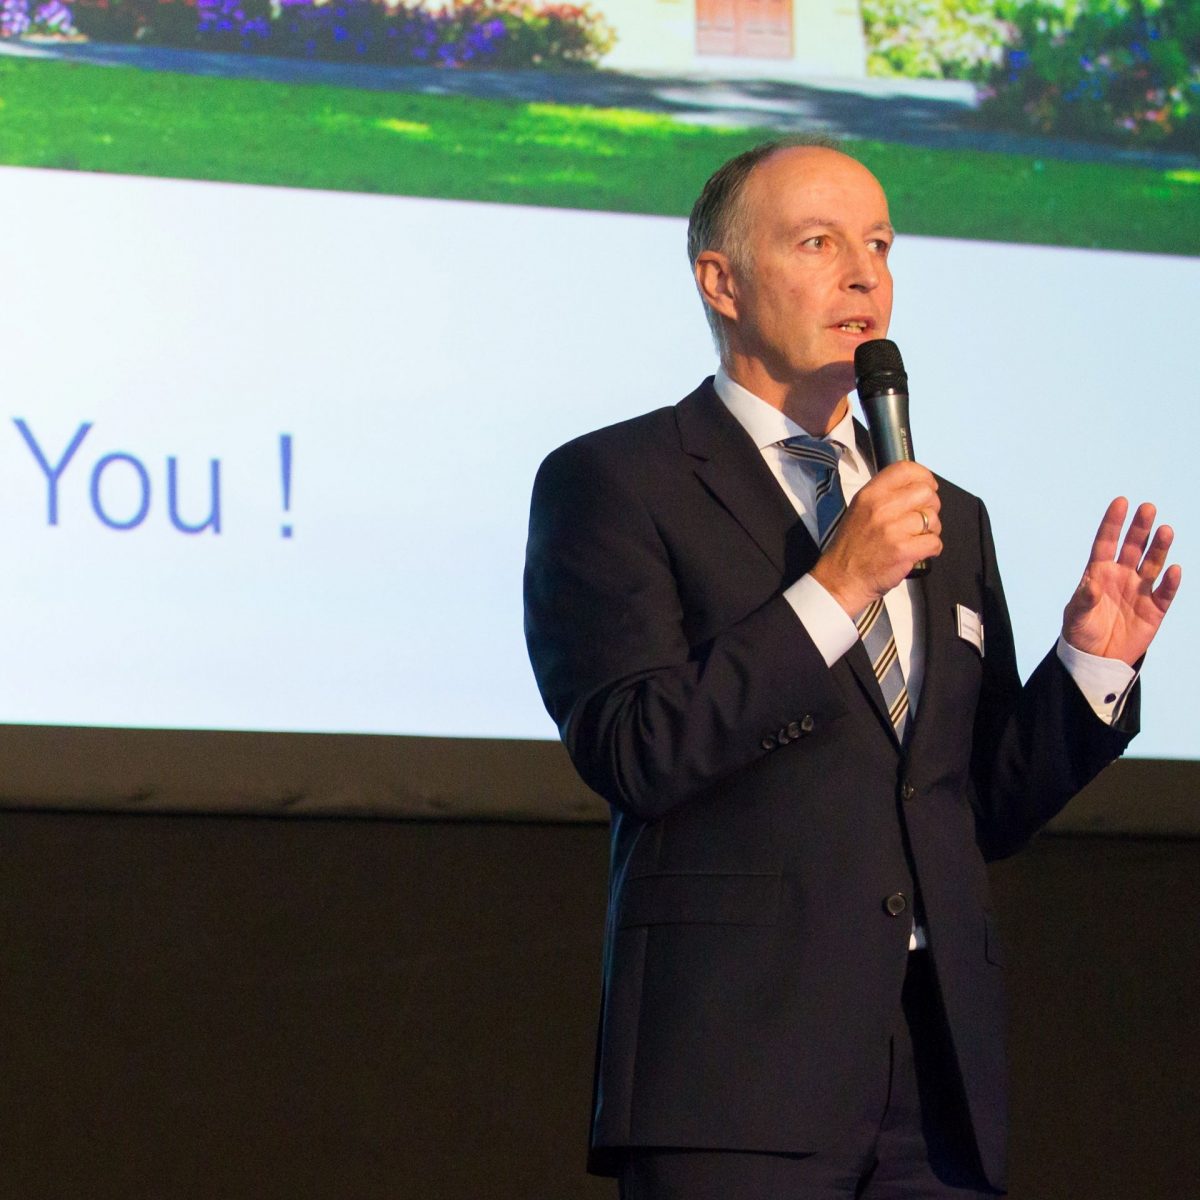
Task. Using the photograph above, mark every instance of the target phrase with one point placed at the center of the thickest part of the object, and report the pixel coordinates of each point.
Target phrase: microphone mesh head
(878, 367)
(879, 355)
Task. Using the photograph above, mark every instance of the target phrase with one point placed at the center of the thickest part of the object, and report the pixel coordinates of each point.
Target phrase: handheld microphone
(882, 385)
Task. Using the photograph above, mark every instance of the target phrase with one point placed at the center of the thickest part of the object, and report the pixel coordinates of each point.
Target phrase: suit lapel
(731, 467)
(937, 600)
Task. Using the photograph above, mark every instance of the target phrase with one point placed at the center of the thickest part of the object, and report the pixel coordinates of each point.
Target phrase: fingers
(904, 496)
(1138, 551)
(927, 520)
(901, 474)
(1168, 586)
(927, 536)
(917, 514)
(901, 490)
(1156, 556)
(1138, 535)
(891, 523)
(1104, 547)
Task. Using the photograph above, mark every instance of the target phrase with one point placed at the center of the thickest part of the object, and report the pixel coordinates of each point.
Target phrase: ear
(714, 278)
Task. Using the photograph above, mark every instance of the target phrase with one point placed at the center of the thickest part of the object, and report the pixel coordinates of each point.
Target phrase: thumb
(1082, 600)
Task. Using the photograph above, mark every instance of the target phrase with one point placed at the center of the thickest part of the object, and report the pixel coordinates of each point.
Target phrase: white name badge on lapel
(970, 626)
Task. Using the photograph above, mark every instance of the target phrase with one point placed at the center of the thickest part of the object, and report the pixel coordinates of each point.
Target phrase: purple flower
(53, 15)
(14, 18)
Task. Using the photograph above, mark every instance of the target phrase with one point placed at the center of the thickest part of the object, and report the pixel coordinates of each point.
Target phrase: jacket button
(908, 791)
(793, 730)
(807, 724)
(782, 738)
(895, 904)
(768, 743)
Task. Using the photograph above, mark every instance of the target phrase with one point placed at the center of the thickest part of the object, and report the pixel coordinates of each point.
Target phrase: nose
(862, 270)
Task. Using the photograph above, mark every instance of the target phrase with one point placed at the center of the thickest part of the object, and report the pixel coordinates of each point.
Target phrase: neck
(816, 403)
(816, 421)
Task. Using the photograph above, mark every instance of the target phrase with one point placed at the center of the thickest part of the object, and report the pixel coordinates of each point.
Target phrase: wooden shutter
(747, 28)
(716, 26)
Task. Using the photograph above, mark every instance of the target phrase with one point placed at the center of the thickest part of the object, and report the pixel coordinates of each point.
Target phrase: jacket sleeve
(1035, 746)
(649, 719)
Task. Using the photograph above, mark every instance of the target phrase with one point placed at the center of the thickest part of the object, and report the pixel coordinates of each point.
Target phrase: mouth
(855, 325)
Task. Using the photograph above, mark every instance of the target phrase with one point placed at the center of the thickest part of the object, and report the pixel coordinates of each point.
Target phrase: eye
(880, 246)
(817, 242)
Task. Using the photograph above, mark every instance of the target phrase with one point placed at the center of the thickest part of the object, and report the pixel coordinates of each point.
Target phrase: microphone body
(882, 385)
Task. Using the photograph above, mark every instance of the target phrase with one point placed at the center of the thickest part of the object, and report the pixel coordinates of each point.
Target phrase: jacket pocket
(711, 898)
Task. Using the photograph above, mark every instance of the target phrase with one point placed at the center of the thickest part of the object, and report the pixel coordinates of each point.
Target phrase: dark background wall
(253, 1007)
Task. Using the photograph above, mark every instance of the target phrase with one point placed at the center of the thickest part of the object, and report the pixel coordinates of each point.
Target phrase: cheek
(885, 301)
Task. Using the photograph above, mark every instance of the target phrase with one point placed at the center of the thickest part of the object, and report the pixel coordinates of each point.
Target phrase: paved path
(916, 112)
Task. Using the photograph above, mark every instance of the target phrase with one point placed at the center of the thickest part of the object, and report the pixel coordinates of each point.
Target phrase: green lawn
(89, 118)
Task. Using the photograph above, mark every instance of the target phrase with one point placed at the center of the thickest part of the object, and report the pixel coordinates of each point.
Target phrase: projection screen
(288, 338)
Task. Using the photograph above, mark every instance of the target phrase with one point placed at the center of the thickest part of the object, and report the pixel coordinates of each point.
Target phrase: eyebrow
(808, 222)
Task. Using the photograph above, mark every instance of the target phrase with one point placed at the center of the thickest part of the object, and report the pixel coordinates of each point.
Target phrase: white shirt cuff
(1104, 682)
(832, 631)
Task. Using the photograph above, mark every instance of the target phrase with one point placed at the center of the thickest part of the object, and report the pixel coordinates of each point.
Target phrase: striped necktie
(820, 459)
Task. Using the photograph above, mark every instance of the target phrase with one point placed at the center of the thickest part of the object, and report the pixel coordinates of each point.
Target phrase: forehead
(810, 182)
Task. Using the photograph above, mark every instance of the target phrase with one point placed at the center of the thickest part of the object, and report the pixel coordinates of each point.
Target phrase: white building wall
(660, 36)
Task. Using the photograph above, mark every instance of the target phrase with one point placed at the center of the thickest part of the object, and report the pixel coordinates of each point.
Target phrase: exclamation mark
(285, 466)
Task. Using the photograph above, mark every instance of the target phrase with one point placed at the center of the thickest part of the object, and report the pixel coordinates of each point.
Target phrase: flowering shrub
(934, 39)
(14, 17)
(1115, 70)
(52, 17)
(471, 33)
(229, 24)
(568, 34)
(368, 31)
(1125, 73)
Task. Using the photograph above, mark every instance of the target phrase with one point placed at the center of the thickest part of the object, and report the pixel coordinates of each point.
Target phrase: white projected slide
(265, 456)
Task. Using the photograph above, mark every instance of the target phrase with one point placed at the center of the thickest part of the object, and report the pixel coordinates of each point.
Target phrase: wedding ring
(924, 520)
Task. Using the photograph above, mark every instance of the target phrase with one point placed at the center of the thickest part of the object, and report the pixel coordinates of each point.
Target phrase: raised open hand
(1117, 608)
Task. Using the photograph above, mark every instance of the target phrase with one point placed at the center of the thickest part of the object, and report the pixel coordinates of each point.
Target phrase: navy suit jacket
(764, 816)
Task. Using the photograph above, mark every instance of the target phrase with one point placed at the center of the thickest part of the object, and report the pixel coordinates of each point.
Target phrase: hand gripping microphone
(882, 387)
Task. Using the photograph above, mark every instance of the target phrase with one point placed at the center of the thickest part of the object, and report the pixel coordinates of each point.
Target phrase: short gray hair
(718, 219)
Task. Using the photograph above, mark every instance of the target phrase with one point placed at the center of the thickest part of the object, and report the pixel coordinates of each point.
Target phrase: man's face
(816, 283)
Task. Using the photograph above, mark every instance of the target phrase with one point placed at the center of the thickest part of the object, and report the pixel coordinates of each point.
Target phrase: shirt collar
(767, 425)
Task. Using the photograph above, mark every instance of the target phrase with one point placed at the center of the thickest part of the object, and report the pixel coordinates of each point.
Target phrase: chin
(841, 370)
(836, 377)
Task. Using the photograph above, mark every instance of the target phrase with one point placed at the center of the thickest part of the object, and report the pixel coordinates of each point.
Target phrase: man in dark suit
(802, 992)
